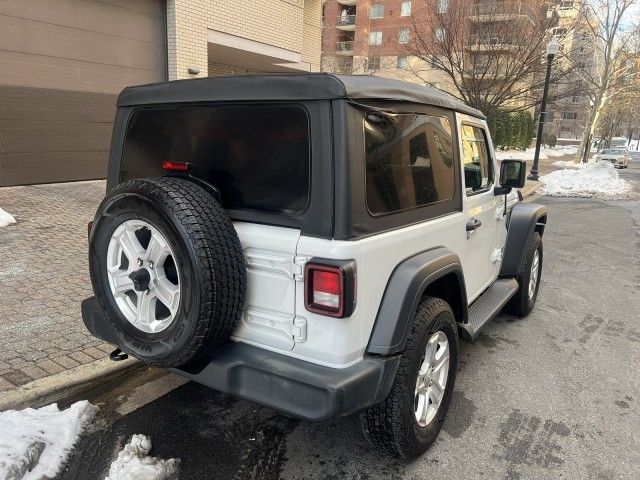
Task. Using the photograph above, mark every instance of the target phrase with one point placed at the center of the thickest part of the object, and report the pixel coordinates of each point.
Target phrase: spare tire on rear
(168, 268)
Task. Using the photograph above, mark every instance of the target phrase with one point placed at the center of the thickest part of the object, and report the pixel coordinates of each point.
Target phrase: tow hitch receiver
(118, 355)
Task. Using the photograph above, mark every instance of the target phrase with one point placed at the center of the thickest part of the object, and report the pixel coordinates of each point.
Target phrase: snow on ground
(529, 153)
(34, 443)
(593, 179)
(569, 164)
(134, 463)
(6, 218)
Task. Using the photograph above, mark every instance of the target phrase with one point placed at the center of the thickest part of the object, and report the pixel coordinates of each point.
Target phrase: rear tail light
(330, 287)
(175, 166)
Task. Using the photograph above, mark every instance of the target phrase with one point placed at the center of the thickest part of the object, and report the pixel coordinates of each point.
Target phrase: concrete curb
(68, 384)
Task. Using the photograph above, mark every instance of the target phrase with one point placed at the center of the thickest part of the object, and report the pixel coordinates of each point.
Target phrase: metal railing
(492, 41)
(503, 9)
(345, 46)
(346, 20)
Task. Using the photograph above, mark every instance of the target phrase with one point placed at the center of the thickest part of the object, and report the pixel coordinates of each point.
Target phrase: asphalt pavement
(552, 396)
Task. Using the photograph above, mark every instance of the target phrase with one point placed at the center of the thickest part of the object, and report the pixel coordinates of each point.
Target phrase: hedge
(511, 130)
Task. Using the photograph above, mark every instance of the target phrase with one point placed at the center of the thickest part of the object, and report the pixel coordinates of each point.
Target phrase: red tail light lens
(330, 288)
(176, 166)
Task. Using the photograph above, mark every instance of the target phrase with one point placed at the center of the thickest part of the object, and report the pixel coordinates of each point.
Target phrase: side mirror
(513, 173)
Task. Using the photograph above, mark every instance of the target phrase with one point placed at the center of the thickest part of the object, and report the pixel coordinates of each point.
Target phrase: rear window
(257, 156)
(409, 161)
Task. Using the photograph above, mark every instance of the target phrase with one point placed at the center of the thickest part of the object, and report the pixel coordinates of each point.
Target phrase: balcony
(346, 22)
(502, 11)
(348, 3)
(486, 43)
(345, 48)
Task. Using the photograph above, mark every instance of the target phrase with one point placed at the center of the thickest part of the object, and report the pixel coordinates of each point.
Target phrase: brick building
(371, 37)
(63, 63)
(567, 117)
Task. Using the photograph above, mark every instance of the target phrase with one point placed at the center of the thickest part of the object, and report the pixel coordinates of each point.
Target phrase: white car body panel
(276, 318)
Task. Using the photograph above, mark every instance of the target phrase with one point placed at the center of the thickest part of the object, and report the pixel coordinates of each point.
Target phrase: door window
(478, 174)
(409, 161)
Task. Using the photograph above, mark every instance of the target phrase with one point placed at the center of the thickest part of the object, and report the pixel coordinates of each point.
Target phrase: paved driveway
(43, 278)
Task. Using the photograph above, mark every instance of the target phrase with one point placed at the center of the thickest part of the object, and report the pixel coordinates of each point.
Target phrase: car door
(481, 256)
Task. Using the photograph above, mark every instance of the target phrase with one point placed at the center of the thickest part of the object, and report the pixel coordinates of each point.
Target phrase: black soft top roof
(311, 86)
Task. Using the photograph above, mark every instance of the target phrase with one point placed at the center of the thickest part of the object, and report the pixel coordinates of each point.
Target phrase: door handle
(473, 224)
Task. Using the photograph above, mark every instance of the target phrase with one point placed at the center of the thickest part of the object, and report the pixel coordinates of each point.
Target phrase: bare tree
(614, 35)
(621, 115)
(492, 54)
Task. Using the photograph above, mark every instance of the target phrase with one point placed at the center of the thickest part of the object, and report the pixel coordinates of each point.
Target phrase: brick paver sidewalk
(43, 278)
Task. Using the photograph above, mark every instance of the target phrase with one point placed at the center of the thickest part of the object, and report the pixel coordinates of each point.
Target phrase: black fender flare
(403, 293)
(524, 219)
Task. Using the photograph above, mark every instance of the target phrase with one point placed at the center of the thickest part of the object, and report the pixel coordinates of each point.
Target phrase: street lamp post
(552, 50)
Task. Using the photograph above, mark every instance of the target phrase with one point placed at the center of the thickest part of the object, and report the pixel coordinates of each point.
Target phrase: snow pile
(569, 164)
(6, 218)
(593, 179)
(34, 443)
(134, 463)
(529, 153)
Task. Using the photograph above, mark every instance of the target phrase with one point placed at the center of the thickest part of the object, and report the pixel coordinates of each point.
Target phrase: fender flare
(403, 293)
(524, 219)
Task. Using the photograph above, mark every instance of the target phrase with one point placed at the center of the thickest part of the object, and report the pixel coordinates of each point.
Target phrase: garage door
(62, 64)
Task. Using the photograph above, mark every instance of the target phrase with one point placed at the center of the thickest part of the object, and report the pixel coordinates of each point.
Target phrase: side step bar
(488, 306)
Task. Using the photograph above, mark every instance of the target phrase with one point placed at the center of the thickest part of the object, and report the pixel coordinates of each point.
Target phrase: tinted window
(409, 161)
(475, 157)
(257, 156)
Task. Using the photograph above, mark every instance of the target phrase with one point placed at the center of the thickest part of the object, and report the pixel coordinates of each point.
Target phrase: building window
(559, 32)
(373, 63)
(433, 62)
(443, 6)
(569, 116)
(375, 38)
(580, 65)
(403, 62)
(566, 5)
(405, 9)
(403, 37)
(575, 99)
(439, 34)
(377, 11)
(409, 161)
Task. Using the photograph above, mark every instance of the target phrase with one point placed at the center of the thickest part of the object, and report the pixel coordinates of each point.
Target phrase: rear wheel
(408, 421)
(168, 268)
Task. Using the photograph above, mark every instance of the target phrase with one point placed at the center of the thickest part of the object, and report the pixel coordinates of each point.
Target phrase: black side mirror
(513, 173)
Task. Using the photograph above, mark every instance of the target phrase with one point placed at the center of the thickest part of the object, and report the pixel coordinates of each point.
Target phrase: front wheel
(524, 300)
(408, 421)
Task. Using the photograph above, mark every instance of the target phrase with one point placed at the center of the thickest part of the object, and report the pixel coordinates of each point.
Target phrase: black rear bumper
(293, 386)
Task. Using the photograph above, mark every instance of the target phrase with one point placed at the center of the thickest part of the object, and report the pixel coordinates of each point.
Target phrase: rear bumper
(302, 389)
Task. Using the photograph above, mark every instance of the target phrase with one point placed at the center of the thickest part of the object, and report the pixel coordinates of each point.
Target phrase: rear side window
(478, 175)
(257, 156)
(409, 161)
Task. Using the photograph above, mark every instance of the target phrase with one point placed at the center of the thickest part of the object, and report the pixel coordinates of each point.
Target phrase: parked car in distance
(618, 156)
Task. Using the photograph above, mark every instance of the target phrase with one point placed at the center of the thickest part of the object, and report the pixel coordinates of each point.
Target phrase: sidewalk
(43, 278)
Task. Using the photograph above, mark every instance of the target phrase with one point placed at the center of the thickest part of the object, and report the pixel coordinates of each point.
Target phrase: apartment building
(567, 116)
(371, 37)
(63, 63)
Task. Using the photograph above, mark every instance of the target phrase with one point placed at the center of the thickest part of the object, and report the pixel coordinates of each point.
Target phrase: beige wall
(293, 26)
(62, 65)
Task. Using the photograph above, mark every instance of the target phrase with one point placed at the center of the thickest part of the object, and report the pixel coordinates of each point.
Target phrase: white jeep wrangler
(314, 243)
